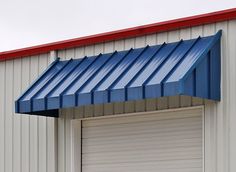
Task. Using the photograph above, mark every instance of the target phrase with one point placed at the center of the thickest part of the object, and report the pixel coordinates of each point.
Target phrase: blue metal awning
(188, 67)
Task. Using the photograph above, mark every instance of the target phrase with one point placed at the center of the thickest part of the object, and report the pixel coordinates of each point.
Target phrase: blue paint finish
(80, 81)
(136, 67)
(171, 62)
(130, 73)
(101, 96)
(135, 93)
(215, 72)
(54, 98)
(193, 56)
(101, 92)
(172, 88)
(117, 95)
(24, 102)
(104, 71)
(188, 87)
(90, 72)
(152, 91)
(138, 82)
(54, 102)
(154, 64)
(65, 72)
(68, 100)
(84, 99)
(203, 78)
(190, 67)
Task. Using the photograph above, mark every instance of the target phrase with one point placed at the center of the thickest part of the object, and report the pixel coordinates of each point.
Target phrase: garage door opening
(168, 141)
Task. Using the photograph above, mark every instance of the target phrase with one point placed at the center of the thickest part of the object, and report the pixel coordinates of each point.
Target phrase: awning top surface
(188, 67)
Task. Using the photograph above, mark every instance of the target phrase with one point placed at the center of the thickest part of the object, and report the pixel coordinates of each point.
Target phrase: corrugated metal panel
(27, 143)
(186, 67)
(167, 141)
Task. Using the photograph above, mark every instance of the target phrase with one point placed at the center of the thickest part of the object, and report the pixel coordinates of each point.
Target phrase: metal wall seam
(17, 118)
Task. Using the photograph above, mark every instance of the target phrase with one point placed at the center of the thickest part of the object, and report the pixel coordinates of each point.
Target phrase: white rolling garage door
(161, 142)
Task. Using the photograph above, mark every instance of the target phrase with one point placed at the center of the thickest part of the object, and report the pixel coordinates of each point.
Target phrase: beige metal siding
(2, 116)
(27, 143)
(166, 141)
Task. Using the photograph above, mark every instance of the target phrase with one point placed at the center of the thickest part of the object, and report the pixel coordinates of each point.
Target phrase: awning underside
(188, 67)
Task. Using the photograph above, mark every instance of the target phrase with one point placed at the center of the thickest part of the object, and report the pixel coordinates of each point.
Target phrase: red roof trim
(121, 34)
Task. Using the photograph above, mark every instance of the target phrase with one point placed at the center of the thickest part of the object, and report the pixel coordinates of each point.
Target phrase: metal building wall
(27, 143)
(220, 117)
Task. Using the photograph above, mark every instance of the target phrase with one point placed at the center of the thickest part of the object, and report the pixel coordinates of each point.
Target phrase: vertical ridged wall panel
(2, 116)
(27, 143)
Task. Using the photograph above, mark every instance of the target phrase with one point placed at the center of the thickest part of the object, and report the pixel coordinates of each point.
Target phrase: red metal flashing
(124, 33)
